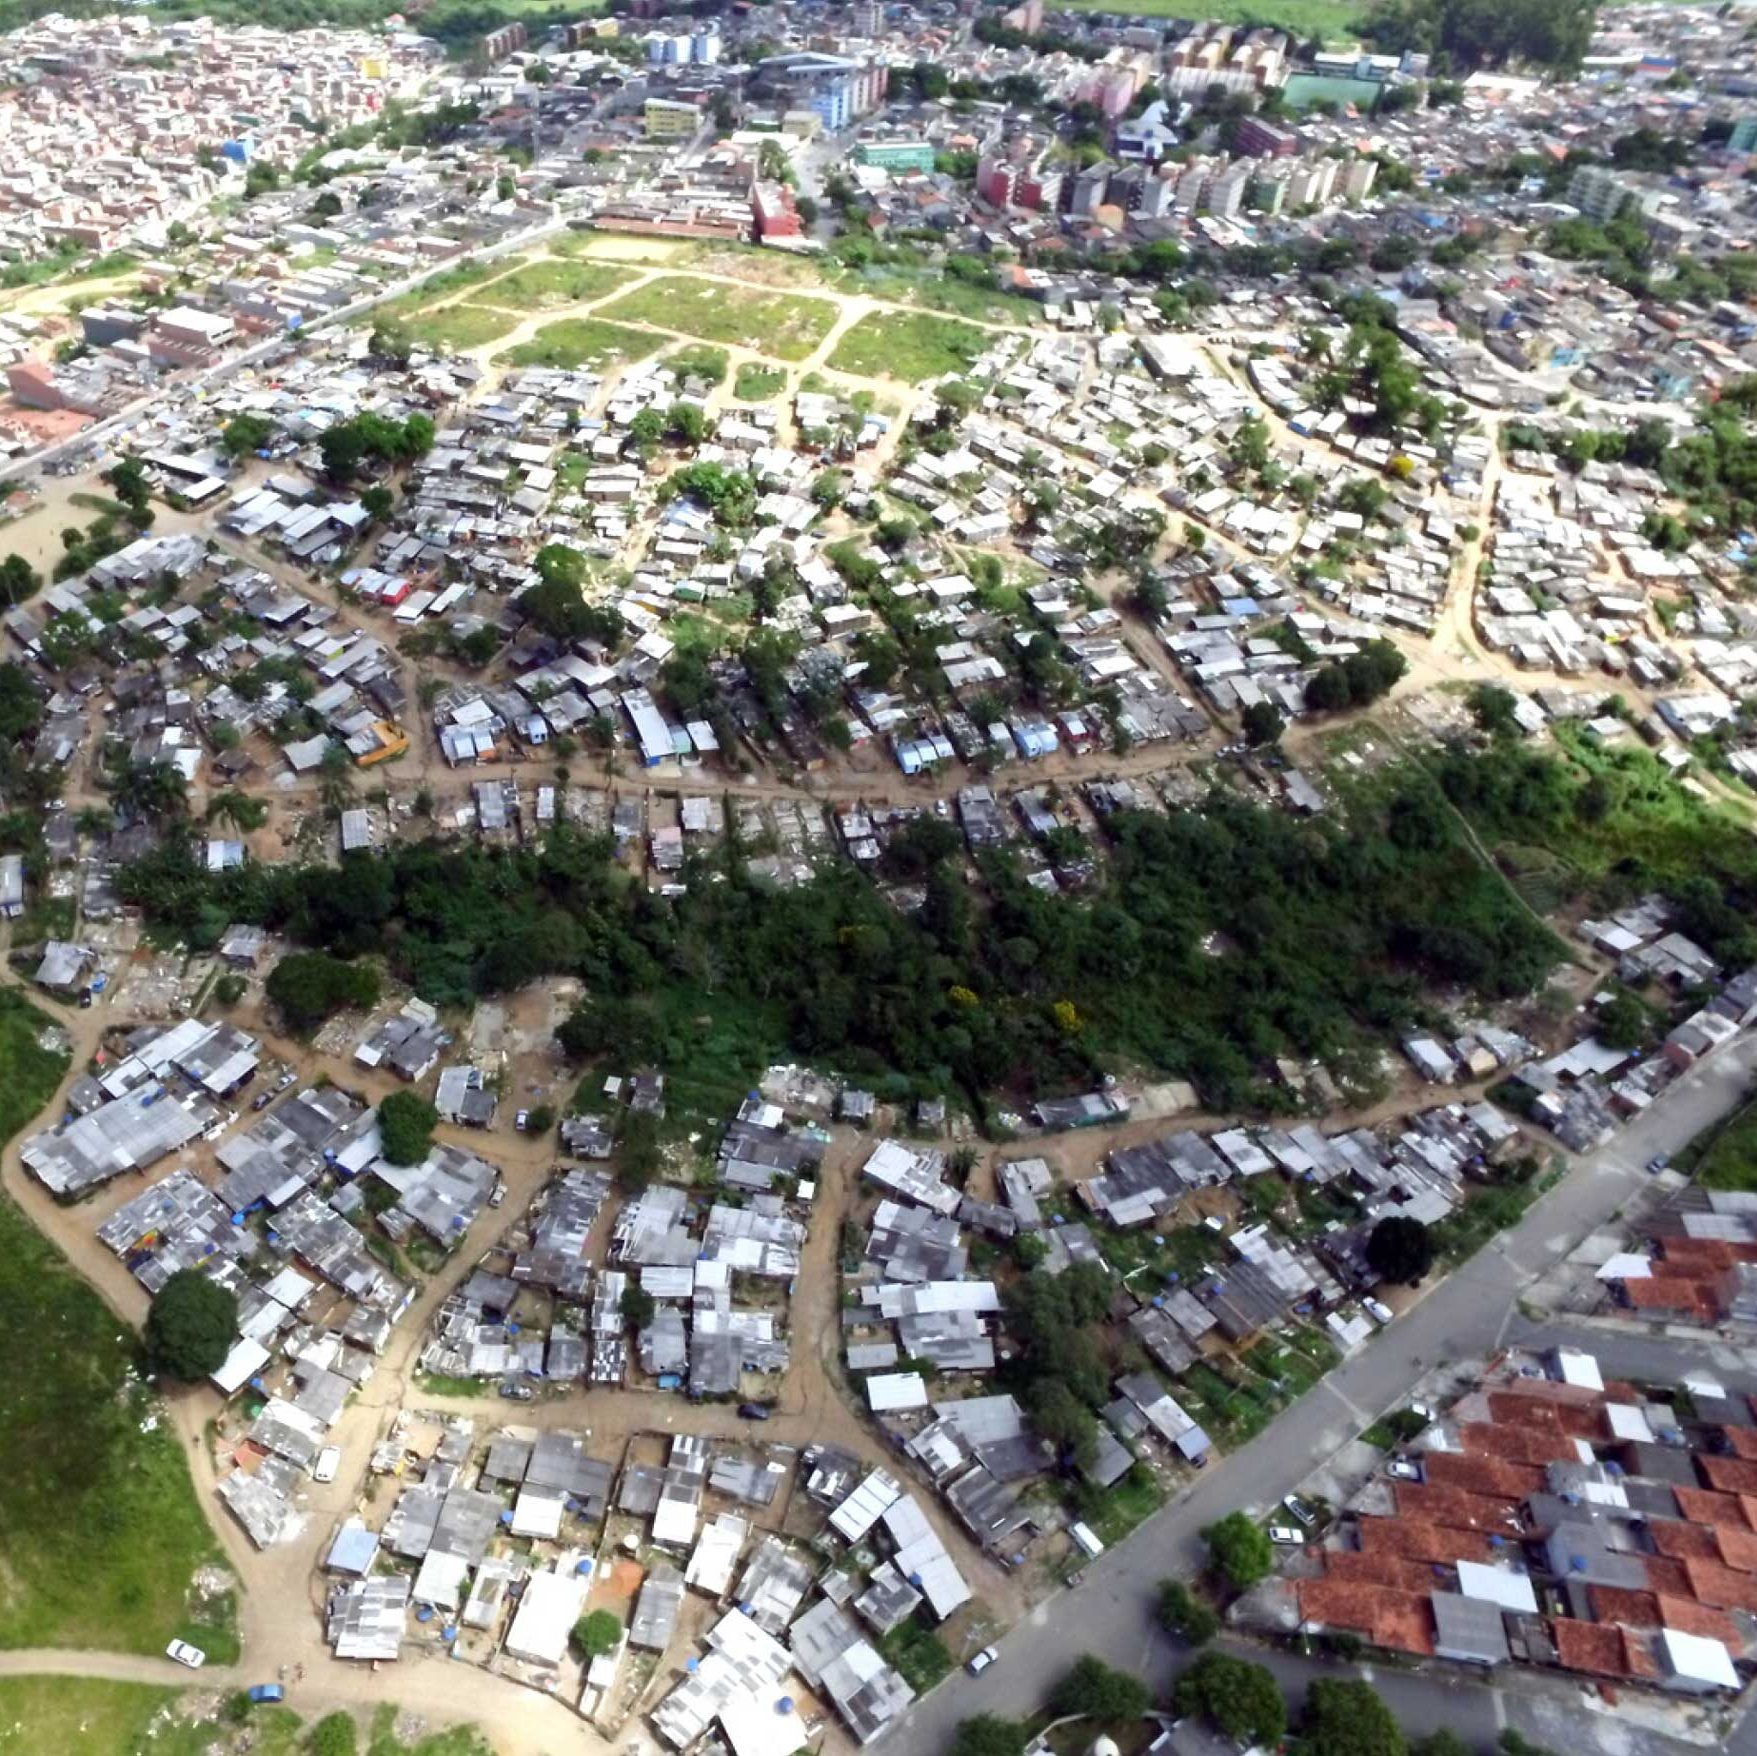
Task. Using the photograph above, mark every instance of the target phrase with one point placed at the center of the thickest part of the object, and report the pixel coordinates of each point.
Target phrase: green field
(756, 382)
(559, 281)
(461, 327)
(1726, 1157)
(698, 360)
(102, 1529)
(787, 325)
(583, 341)
(909, 347)
(1333, 20)
(444, 285)
(938, 291)
(84, 1716)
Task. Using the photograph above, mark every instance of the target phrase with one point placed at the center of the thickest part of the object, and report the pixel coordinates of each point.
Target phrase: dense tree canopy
(1239, 1550)
(1400, 1249)
(308, 986)
(1098, 1691)
(191, 1326)
(405, 1127)
(1349, 1718)
(1241, 1698)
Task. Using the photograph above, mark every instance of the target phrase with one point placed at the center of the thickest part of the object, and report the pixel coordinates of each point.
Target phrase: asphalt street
(1466, 1317)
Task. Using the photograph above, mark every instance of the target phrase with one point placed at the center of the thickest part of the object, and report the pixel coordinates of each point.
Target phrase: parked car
(1659, 1162)
(329, 1460)
(1286, 1534)
(261, 1693)
(754, 1411)
(1403, 1470)
(1377, 1309)
(521, 1119)
(518, 1392)
(1303, 1514)
(185, 1654)
(497, 1194)
(982, 1661)
(262, 1100)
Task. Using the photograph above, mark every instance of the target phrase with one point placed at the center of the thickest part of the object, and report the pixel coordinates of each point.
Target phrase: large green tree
(1239, 1550)
(405, 1127)
(190, 1327)
(1241, 1698)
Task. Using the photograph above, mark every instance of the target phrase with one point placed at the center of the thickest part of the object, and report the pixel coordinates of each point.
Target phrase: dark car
(754, 1411)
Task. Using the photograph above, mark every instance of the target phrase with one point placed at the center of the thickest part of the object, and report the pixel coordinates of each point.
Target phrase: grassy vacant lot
(102, 1529)
(913, 348)
(758, 383)
(95, 1718)
(698, 360)
(444, 285)
(937, 291)
(1329, 19)
(560, 281)
(787, 325)
(460, 327)
(1726, 1158)
(583, 341)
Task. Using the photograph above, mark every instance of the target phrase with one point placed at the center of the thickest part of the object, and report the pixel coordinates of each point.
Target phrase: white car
(185, 1654)
(329, 1460)
(1377, 1309)
(1286, 1535)
(982, 1661)
(1402, 1470)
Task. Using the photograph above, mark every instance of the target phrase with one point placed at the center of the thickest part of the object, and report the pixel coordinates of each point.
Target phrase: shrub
(191, 1326)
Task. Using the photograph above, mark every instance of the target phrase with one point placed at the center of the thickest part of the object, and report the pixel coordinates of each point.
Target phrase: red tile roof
(1690, 1617)
(1738, 1548)
(1638, 1654)
(1537, 1444)
(1417, 1540)
(1732, 1475)
(1672, 1536)
(1701, 1507)
(1451, 1507)
(1611, 1603)
(1721, 1587)
(1402, 1621)
(1667, 1577)
(1741, 1441)
(1482, 1475)
(1589, 1646)
(1396, 1571)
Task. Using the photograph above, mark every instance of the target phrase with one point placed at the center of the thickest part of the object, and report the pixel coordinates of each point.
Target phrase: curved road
(1466, 1317)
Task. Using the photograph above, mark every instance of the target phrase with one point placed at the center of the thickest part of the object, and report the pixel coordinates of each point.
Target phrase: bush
(636, 1305)
(335, 1735)
(309, 986)
(1093, 1688)
(1238, 1551)
(1349, 1719)
(405, 1128)
(988, 1735)
(1182, 1613)
(191, 1326)
(1400, 1249)
(1241, 1698)
(596, 1634)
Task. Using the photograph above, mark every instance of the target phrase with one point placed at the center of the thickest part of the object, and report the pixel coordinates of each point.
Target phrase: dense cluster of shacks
(499, 1551)
(1586, 1092)
(294, 1224)
(1550, 1518)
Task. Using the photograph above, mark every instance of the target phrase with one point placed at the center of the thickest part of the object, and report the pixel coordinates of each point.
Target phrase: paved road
(1464, 1317)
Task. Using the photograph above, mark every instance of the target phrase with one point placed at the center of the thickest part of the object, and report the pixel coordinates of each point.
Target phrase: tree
(1348, 1718)
(636, 1305)
(596, 1634)
(335, 1735)
(989, 1735)
(405, 1128)
(1623, 1022)
(1262, 724)
(1444, 1742)
(1179, 1611)
(1241, 1698)
(1094, 1689)
(1400, 1249)
(378, 501)
(21, 708)
(540, 1120)
(18, 580)
(191, 1326)
(244, 434)
(1492, 707)
(308, 986)
(1238, 1551)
